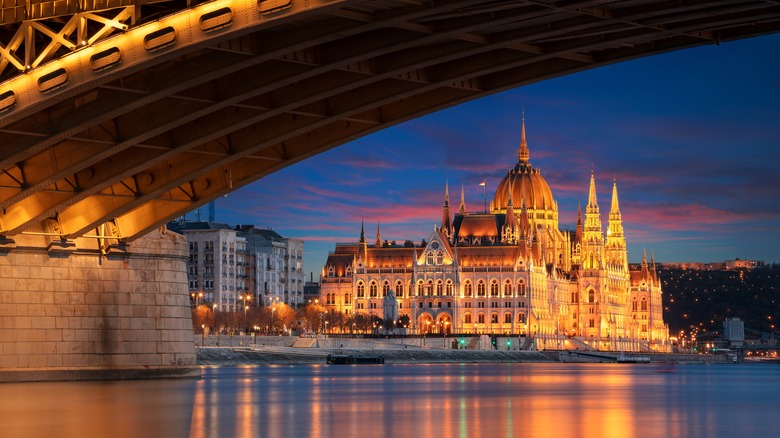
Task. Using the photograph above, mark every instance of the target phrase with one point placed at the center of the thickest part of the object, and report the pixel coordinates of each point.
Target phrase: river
(442, 400)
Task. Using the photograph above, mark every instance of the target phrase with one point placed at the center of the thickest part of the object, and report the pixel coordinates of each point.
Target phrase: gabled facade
(511, 270)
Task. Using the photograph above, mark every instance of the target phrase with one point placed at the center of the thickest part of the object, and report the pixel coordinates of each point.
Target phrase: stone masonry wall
(88, 312)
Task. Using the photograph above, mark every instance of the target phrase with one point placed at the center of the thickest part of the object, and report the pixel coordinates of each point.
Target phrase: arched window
(494, 288)
(521, 317)
(591, 323)
(508, 289)
(507, 318)
(419, 287)
(644, 304)
(467, 318)
(361, 290)
(521, 288)
(429, 259)
(481, 318)
(399, 289)
(633, 305)
(449, 287)
(385, 288)
(347, 298)
(439, 287)
(372, 290)
(481, 288)
(467, 289)
(439, 258)
(494, 318)
(591, 297)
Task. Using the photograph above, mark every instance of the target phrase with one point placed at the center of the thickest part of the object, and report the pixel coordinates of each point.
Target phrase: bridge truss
(113, 122)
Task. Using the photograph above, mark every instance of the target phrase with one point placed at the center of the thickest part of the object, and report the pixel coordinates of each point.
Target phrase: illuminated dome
(525, 183)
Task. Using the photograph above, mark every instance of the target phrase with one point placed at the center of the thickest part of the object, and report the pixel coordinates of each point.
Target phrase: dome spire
(523, 154)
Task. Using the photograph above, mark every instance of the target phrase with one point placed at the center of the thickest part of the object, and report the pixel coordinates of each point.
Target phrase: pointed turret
(462, 208)
(511, 228)
(522, 154)
(592, 236)
(446, 223)
(578, 230)
(362, 233)
(378, 242)
(616, 241)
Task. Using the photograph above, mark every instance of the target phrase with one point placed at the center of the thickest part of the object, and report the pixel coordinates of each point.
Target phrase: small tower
(462, 208)
(446, 223)
(616, 241)
(378, 242)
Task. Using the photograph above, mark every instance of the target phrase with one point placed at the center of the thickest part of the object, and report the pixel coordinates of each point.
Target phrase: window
(575, 297)
(481, 304)
(429, 259)
(430, 305)
(481, 289)
(467, 318)
(521, 288)
(439, 287)
(439, 304)
(644, 304)
(507, 304)
(521, 317)
(399, 289)
(481, 318)
(361, 290)
(385, 288)
(494, 304)
(347, 298)
(467, 289)
(372, 290)
(507, 318)
(494, 289)
(508, 289)
(494, 318)
(439, 258)
(449, 287)
(467, 304)
(591, 323)
(372, 305)
(591, 297)
(419, 288)
(633, 305)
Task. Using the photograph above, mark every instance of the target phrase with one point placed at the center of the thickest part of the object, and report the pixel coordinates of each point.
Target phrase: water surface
(447, 400)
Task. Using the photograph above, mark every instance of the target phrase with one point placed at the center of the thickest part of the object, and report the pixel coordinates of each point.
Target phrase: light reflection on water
(448, 400)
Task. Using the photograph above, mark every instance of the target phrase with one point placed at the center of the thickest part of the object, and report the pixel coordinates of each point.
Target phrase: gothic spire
(462, 208)
(615, 208)
(578, 230)
(362, 233)
(592, 201)
(446, 223)
(378, 236)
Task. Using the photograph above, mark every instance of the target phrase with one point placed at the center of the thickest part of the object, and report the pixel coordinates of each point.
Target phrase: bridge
(117, 116)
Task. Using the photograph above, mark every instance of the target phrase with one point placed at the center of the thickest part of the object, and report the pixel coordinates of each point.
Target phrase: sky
(692, 136)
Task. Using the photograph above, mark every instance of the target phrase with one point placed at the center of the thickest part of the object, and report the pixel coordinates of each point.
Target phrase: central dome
(525, 183)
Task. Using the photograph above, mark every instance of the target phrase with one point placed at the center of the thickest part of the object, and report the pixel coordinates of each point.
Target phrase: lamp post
(273, 309)
(202, 335)
(326, 329)
(196, 295)
(246, 298)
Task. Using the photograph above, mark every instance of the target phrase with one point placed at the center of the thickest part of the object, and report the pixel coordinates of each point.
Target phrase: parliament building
(510, 271)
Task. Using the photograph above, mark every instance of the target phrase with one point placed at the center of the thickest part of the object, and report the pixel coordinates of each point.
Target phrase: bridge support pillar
(84, 310)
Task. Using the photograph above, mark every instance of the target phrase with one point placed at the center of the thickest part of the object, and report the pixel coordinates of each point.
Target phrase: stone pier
(95, 309)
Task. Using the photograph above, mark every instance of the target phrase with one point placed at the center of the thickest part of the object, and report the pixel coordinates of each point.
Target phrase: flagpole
(484, 190)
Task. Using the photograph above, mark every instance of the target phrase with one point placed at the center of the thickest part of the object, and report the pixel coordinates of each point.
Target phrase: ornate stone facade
(511, 270)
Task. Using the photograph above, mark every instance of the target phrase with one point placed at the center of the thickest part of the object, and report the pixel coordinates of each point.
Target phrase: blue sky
(693, 138)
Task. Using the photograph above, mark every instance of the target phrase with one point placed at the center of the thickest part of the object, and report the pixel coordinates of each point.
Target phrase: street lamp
(246, 298)
(202, 335)
(196, 295)
(326, 329)
(273, 309)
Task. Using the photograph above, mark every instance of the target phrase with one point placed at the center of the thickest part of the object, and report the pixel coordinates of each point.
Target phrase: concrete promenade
(288, 350)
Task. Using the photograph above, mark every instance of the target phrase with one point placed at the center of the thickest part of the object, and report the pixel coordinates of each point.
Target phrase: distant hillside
(706, 298)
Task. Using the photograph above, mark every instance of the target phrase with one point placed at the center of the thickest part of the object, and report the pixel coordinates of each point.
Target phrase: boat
(346, 359)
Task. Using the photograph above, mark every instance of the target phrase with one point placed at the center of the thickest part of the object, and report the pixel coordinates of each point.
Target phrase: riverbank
(260, 355)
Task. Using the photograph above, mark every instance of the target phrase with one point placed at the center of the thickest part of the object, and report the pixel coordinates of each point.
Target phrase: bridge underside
(119, 150)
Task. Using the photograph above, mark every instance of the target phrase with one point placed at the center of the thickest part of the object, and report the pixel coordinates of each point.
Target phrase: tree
(202, 316)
